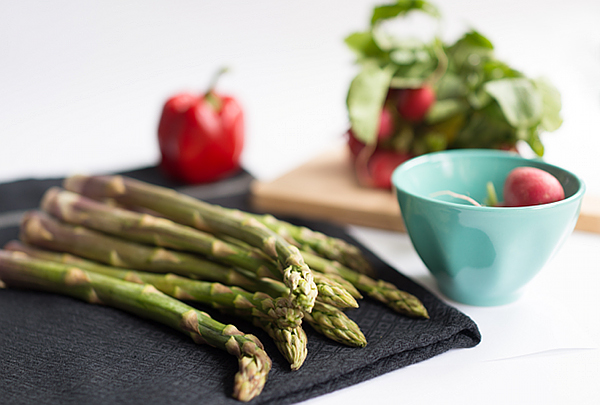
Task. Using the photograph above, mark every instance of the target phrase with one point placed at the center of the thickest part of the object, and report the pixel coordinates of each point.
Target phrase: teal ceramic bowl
(481, 256)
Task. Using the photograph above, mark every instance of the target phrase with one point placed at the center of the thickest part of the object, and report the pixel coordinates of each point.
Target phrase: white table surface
(82, 86)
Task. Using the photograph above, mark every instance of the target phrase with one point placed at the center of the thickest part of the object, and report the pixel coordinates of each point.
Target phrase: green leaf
(435, 142)
(450, 85)
(478, 99)
(551, 119)
(388, 42)
(474, 38)
(407, 82)
(442, 110)
(486, 128)
(403, 56)
(534, 142)
(415, 64)
(402, 141)
(402, 7)
(470, 52)
(495, 70)
(363, 44)
(520, 102)
(365, 100)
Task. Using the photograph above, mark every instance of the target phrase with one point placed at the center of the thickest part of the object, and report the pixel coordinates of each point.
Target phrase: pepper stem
(210, 96)
(215, 79)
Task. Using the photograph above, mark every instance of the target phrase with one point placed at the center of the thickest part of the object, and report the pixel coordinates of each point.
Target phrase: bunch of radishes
(413, 96)
(374, 165)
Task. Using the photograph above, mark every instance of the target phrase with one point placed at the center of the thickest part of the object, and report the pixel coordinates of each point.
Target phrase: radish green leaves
(481, 102)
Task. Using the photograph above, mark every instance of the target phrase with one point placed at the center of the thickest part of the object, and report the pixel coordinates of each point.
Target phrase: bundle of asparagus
(44, 231)
(20, 270)
(75, 209)
(207, 217)
(112, 230)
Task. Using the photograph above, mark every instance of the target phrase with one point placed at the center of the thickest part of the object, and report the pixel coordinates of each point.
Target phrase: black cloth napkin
(58, 350)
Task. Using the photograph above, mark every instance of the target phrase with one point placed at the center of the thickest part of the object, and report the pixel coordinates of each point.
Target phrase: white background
(82, 86)
(82, 83)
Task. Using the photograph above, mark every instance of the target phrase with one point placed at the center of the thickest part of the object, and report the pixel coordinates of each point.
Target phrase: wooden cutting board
(326, 189)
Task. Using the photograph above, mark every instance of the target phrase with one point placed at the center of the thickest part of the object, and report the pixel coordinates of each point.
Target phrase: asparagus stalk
(39, 229)
(207, 217)
(380, 290)
(19, 270)
(333, 323)
(79, 210)
(291, 342)
(323, 245)
(333, 288)
(325, 280)
(279, 322)
(333, 292)
(141, 227)
(230, 299)
(325, 319)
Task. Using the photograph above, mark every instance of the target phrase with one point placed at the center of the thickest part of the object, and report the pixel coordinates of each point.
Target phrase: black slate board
(57, 350)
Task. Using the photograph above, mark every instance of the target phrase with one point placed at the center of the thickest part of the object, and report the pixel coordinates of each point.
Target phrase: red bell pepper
(201, 136)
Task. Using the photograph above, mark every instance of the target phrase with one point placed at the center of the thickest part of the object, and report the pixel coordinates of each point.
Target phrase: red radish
(376, 169)
(386, 125)
(526, 186)
(413, 104)
(354, 144)
(382, 164)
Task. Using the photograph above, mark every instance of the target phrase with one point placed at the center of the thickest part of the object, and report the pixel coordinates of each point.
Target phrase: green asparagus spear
(325, 319)
(342, 288)
(79, 210)
(39, 229)
(324, 281)
(336, 325)
(291, 342)
(323, 245)
(207, 217)
(19, 270)
(382, 291)
(333, 292)
(42, 230)
(140, 227)
(279, 322)
(234, 300)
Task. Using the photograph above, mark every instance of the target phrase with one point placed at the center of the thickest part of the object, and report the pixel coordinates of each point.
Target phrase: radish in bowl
(527, 185)
(481, 254)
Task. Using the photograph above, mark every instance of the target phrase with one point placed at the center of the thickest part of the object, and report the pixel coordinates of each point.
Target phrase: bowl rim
(423, 159)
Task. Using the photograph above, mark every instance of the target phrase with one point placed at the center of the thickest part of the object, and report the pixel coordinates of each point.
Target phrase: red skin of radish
(413, 104)
(354, 144)
(380, 165)
(386, 125)
(525, 186)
